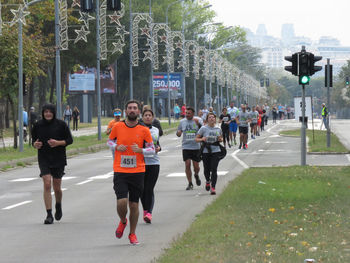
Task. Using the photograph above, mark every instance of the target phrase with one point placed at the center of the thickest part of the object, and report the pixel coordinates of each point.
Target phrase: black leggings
(151, 177)
(75, 124)
(226, 134)
(210, 163)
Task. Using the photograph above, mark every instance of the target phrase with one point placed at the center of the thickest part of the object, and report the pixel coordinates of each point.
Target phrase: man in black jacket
(51, 136)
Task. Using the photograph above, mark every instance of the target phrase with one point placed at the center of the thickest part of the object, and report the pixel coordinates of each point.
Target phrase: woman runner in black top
(225, 119)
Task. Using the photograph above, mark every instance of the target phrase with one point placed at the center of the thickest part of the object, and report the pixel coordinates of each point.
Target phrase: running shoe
(252, 136)
(229, 145)
(148, 218)
(240, 146)
(190, 186)
(235, 141)
(246, 146)
(207, 186)
(58, 213)
(212, 191)
(133, 239)
(198, 181)
(120, 229)
(48, 220)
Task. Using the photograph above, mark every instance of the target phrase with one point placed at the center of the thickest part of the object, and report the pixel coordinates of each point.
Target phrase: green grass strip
(273, 215)
(318, 141)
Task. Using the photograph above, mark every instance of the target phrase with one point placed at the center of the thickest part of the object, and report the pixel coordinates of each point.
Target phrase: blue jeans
(325, 121)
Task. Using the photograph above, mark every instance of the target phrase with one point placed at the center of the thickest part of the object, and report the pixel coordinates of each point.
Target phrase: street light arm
(167, 9)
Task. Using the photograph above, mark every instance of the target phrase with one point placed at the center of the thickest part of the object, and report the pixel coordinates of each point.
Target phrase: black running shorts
(243, 130)
(191, 155)
(128, 185)
(55, 172)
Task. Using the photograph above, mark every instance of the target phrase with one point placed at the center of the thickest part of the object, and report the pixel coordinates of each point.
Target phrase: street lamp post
(98, 54)
(130, 55)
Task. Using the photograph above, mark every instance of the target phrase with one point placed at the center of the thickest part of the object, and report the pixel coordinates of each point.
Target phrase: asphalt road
(86, 231)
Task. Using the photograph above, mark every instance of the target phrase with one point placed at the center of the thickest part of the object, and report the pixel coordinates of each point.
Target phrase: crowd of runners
(134, 143)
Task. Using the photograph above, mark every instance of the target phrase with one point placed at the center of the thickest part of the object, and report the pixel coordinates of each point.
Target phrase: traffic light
(347, 81)
(313, 59)
(330, 68)
(114, 5)
(86, 5)
(261, 83)
(304, 68)
(294, 67)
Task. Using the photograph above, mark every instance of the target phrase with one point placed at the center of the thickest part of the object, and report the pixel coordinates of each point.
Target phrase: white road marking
(239, 160)
(276, 142)
(348, 156)
(84, 182)
(103, 176)
(261, 150)
(178, 146)
(65, 178)
(15, 205)
(24, 179)
(220, 173)
(275, 136)
(163, 151)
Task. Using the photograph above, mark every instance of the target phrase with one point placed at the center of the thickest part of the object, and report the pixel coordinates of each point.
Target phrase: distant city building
(274, 49)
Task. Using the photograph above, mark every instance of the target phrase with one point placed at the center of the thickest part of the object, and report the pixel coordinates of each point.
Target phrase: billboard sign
(160, 85)
(84, 80)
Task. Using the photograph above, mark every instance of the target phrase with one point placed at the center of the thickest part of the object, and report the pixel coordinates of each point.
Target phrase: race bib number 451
(190, 136)
(128, 161)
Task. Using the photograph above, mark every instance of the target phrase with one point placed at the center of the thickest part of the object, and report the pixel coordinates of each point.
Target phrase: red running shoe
(133, 239)
(212, 191)
(120, 229)
(207, 186)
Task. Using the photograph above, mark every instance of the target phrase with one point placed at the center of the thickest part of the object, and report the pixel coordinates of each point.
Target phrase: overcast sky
(311, 18)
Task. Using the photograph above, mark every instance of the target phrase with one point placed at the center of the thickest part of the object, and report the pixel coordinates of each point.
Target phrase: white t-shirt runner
(189, 130)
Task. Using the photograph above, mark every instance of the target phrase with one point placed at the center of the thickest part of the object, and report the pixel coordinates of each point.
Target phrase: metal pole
(218, 97)
(151, 48)
(227, 97)
(167, 68)
(130, 54)
(20, 80)
(328, 103)
(210, 85)
(303, 129)
(58, 62)
(205, 91)
(183, 62)
(98, 69)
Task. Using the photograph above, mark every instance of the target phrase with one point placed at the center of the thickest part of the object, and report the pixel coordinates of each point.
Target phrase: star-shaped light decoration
(121, 32)
(148, 55)
(193, 52)
(165, 60)
(75, 3)
(163, 38)
(82, 34)
(17, 17)
(178, 44)
(118, 46)
(180, 64)
(114, 18)
(85, 17)
(145, 31)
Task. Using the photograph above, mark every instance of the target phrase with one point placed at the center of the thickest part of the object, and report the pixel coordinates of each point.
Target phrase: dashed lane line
(16, 205)
(24, 179)
(220, 173)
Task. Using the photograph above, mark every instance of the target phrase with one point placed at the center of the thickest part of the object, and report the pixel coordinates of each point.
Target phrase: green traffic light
(304, 79)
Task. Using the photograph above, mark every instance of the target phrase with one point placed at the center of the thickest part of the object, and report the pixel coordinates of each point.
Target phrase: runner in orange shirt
(117, 113)
(132, 141)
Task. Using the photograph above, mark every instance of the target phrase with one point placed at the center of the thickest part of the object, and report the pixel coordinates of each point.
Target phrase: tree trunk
(52, 82)
(14, 122)
(30, 94)
(42, 92)
(7, 113)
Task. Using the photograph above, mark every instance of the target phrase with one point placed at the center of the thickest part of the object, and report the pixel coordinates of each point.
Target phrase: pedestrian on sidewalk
(50, 137)
(274, 114)
(67, 115)
(210, 136)
(132, 142)
(243, 120)
(152, 167)
(324, 114)
(188, 127)
(76, 116)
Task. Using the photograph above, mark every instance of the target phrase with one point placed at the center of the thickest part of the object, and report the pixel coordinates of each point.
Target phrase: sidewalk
(341, 128)
(81, 132)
